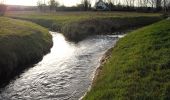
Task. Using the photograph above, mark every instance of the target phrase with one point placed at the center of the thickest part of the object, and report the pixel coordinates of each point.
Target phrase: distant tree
(168, 6)
(53, 5)
(116, 2)
(165, 5)
(143, 3)
(110, 4)
(41, 5)
(86, 4)
(129, 3)
(80, 6)
(158, 5)
(2, 7)
(152, 3)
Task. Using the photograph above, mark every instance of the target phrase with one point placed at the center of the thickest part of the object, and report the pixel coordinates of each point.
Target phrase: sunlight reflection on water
(61, 48)
(65, 73)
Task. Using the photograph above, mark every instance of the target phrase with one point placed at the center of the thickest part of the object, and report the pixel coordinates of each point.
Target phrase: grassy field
(66, 17)
(21, 43)
(139, 67)
(78, 25)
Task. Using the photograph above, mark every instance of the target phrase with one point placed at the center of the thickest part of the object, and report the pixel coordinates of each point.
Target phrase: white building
(101, 5)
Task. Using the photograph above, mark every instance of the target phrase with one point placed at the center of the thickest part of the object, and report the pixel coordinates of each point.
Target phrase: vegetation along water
(138, 68)
(138, 59)
(21, 43)
(78, 25)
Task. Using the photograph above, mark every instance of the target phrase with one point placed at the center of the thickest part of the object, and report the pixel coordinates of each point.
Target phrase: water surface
(65, 73)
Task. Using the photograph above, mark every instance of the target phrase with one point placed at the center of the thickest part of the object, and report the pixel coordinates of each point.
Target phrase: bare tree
(140, 3)
(152, 3)
(2, 7)
(53, 5)
(143, 3)
(165, 5)
(115, 2)
(158, 5)
(86, 4)
(41, 5)
(129, 3)
(168, 5)
(110, 4)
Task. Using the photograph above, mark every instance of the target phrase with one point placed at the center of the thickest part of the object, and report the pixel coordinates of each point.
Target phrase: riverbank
(138, 67)
(76, 31)
(21, 43)
(79, 25)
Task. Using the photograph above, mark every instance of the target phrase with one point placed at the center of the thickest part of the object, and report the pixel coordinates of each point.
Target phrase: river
(65, 73)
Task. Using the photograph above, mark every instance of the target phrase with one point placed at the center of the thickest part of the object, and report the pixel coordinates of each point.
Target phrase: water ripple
(65, 73)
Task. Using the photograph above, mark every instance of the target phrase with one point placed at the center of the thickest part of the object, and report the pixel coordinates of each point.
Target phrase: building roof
(101, 5)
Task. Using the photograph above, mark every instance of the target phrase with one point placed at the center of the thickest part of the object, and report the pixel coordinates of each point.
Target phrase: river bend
(65, 73)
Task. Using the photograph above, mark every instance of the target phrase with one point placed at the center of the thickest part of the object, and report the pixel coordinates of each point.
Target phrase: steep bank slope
(21, 43)
(139, 67)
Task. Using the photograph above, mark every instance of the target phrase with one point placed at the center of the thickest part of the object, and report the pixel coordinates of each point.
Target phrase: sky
(34, 2)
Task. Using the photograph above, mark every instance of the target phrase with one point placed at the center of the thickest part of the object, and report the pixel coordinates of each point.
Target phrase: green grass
(21, 43)
(139, 67)
(78, 25)
(108, 25)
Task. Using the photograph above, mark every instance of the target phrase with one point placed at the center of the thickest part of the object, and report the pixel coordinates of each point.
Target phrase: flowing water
(65, 73)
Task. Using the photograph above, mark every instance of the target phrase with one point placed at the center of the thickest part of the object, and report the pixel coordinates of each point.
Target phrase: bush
(2, 9)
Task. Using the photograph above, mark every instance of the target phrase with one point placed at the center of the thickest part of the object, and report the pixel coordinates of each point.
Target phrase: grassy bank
(21, 43)
(81, 29)
(139, 67)
(78, 25)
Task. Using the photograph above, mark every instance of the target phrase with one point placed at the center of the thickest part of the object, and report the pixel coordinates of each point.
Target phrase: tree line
(53, 5)
(113, 5)
(143, 5)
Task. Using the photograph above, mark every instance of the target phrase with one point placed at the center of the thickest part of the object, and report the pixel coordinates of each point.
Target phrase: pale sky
(34, 2)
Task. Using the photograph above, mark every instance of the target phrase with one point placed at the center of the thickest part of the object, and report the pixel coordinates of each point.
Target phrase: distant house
(101, 5)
